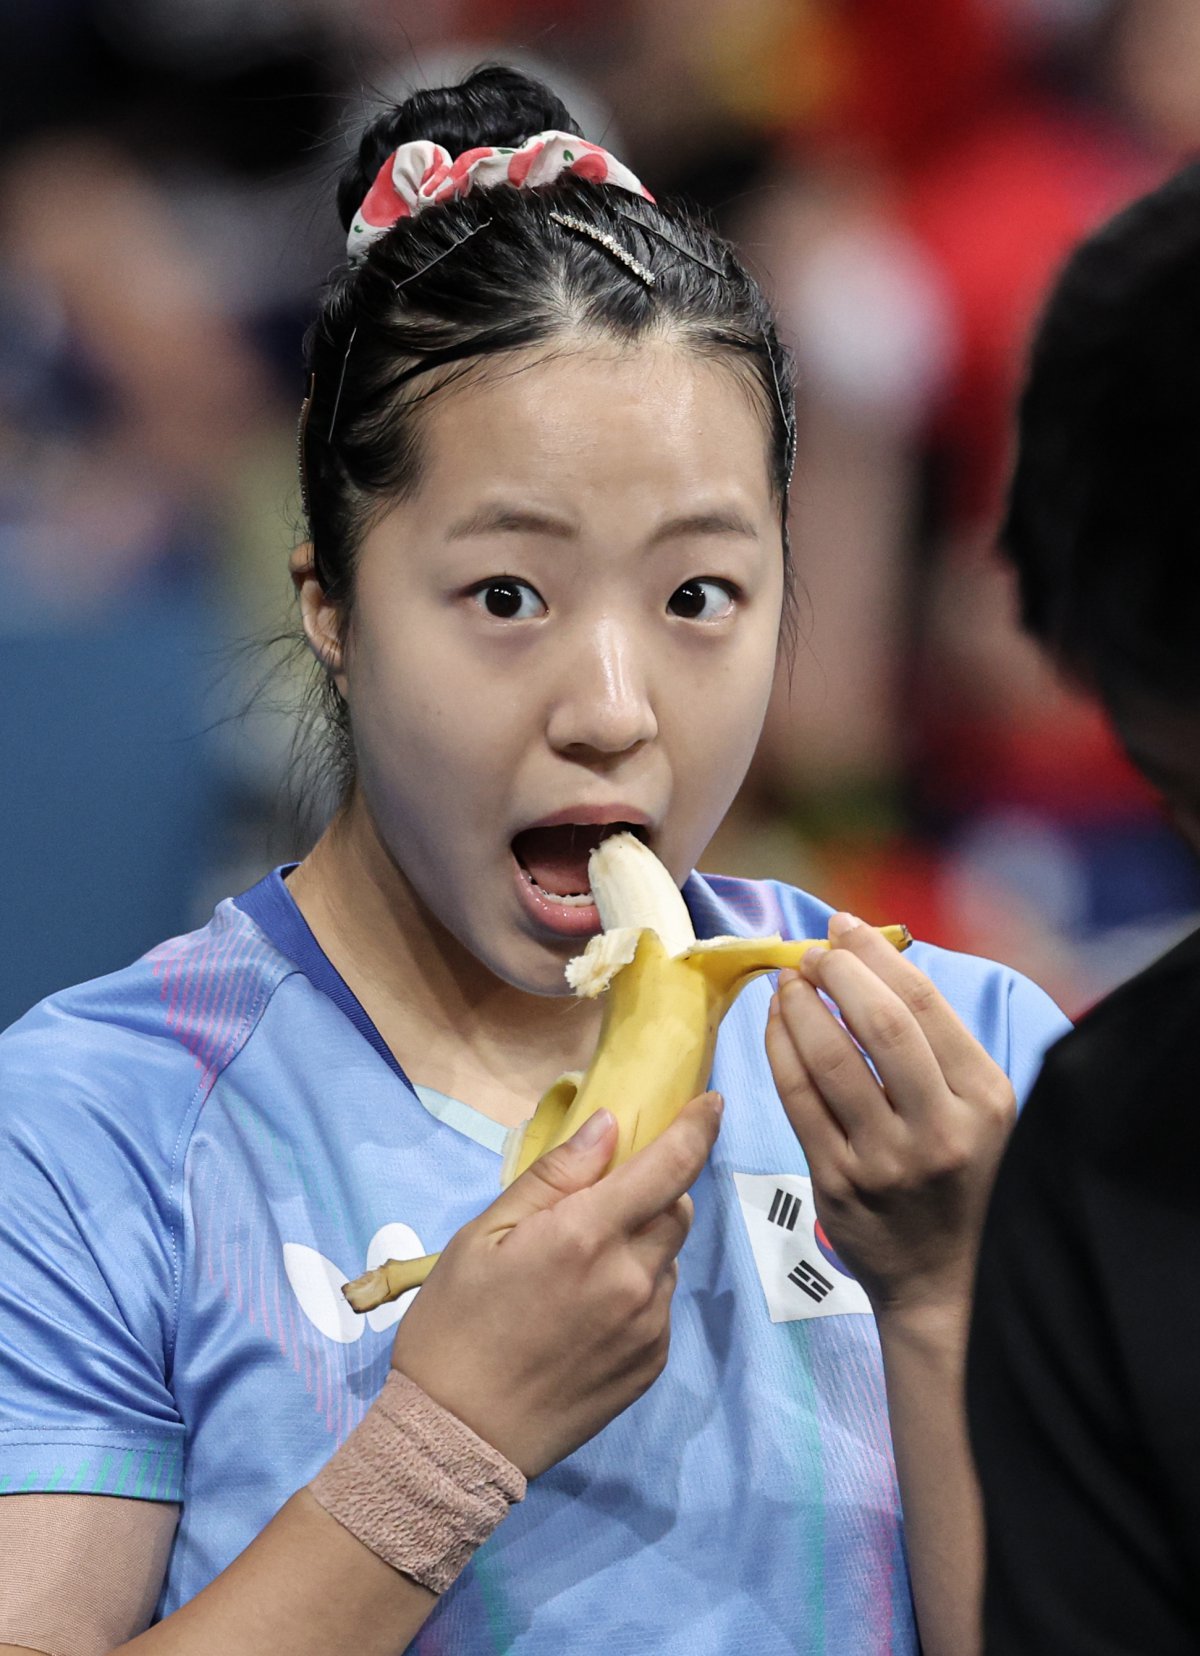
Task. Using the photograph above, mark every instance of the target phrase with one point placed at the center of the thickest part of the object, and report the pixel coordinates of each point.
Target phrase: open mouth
(555, 860)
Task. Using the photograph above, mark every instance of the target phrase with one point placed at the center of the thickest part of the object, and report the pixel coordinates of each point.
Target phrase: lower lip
(563, 919)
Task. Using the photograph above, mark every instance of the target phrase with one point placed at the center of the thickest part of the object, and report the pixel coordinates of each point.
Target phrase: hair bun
(495, 105)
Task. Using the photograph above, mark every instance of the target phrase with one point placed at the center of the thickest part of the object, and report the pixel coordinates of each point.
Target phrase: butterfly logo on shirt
(317, 1284)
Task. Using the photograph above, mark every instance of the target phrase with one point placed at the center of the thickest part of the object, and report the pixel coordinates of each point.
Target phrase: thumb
(567, 1168)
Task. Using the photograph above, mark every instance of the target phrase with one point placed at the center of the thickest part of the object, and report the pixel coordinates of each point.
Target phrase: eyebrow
(727, 522)
(509, 520)
(523, 520)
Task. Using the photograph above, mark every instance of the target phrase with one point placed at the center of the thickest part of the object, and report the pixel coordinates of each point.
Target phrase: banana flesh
(666, 992)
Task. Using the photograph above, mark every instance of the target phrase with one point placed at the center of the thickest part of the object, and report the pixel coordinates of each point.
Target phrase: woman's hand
(550, 1313)
(902, 1165)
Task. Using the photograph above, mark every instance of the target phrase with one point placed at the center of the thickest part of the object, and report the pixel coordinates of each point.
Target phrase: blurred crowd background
(904, 175)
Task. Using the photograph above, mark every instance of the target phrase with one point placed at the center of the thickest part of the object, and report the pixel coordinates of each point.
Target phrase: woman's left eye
(702, 600)
(508, 599)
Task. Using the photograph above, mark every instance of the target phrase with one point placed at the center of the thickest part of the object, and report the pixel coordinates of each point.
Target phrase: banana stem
(391, 1279)
(731, 962)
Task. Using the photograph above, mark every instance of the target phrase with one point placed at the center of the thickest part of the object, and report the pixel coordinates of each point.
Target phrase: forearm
(355, 1560)
(924, 1357)
(305, 1585)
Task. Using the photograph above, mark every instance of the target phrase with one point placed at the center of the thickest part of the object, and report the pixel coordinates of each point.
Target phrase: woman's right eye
(508, 599)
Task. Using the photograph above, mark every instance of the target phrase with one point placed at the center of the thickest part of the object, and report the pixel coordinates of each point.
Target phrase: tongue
(558, 857)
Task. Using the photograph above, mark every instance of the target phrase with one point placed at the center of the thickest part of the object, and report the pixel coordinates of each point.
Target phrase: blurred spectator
(136, 420)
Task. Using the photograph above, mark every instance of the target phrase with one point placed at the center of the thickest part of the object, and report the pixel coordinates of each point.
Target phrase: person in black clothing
(1084, 1366)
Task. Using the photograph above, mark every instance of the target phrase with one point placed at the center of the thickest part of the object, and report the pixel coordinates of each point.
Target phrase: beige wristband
(416, 1485)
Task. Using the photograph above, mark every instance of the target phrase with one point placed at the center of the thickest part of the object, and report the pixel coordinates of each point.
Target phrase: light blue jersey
(197, 1151)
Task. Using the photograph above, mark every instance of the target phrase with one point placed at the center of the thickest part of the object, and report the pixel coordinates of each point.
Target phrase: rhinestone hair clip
(610, 244)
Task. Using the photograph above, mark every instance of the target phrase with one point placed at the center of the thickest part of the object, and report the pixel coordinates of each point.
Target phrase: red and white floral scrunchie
(423, 174)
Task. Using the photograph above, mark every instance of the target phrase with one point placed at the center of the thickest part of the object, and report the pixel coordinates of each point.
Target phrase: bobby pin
(789, 425)
(444, 254)
(396, 286)
(337, 401)
(684, 252)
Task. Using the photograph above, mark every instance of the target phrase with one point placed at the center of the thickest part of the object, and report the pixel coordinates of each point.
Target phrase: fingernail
(718, 1104)
(593, 1130)
(787, 974)
(810, 966)
(842, 923)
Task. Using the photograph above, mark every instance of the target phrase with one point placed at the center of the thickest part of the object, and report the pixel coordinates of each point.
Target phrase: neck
(449, 1022)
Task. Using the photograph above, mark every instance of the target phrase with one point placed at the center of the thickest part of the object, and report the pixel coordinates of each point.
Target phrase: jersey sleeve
(1032, 1024)
(89, 1246)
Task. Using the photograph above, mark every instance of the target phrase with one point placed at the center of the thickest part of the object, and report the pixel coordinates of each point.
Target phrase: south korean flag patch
(799, 1271)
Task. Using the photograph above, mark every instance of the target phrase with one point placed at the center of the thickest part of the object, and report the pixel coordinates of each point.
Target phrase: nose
(604, 706)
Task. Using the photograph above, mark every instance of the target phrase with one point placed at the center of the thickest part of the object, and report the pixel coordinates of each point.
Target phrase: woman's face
(573, 620)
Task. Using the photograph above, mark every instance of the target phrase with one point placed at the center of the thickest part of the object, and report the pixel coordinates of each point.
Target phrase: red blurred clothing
(998, 212)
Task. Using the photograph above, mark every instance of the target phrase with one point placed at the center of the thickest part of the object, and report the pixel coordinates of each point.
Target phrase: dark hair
(1103, 517)
(416, 313)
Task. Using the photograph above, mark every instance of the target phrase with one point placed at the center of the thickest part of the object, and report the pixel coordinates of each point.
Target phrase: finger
(568, 1168)
(957, 1051)
(660, 1241)
(886, 1030)
(658, 1174)
(821, 1135)
(838, 1071)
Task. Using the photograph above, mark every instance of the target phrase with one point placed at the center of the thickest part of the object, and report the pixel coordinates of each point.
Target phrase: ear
(320, 617)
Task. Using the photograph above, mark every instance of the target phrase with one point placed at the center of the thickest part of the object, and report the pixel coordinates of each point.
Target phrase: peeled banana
(667, 992)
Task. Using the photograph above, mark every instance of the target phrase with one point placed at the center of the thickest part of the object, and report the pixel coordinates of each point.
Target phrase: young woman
(546, 456)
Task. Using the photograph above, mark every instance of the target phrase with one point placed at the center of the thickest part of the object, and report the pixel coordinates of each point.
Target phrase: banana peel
(666, 993)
